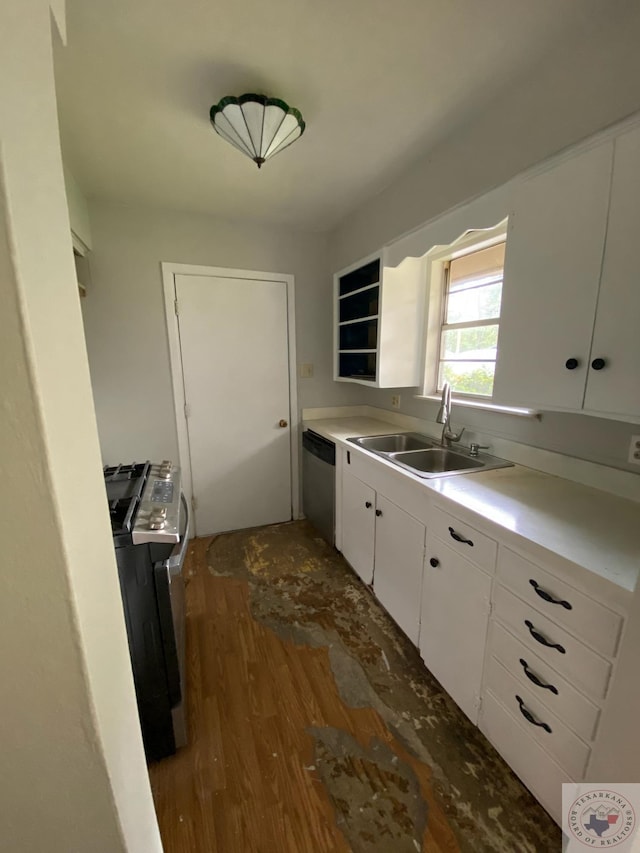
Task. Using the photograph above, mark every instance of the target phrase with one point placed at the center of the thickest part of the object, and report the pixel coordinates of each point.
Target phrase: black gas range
(150, 525)
(144, 502)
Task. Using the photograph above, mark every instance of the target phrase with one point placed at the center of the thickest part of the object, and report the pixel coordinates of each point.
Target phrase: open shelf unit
(376, 308)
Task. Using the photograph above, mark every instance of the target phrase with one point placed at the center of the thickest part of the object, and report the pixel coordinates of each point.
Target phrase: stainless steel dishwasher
(319, 483)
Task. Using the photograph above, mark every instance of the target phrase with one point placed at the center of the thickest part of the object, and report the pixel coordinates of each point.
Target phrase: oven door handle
(176, 559)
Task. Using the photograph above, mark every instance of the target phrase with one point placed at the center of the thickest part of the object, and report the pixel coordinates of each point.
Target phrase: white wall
(582, 87)
(73, 772)
(125, 324)
(78, 209)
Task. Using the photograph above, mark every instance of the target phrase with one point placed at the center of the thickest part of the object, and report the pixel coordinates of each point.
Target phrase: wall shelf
(378, 322)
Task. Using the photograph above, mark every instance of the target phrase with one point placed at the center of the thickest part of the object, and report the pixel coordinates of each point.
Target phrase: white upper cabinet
(571, 295)
(553, 260)
(378, 323)
(615, 388)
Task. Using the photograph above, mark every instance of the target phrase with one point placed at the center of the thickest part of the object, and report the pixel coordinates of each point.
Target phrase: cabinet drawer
(584, 669)
(597, 625)
(528, 760)
(569, 704)
(466, 540)
(566, 747)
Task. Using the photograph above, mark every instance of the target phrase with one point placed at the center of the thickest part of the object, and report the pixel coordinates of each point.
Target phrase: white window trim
(470, 241)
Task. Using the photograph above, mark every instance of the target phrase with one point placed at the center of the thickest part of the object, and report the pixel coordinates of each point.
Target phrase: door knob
(572, 363)
(282, 423)
(598, 363)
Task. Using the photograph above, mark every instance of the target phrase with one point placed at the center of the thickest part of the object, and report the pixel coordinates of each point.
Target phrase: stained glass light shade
(256, 125)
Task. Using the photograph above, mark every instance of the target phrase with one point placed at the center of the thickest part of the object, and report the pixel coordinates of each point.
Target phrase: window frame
(439, 260)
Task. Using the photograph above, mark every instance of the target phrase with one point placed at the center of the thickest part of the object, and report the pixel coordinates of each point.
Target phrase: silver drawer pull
(548, 597)
(526, 713)
(535, 680)
(542, 639)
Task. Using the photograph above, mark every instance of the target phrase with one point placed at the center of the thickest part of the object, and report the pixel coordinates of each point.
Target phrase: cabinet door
(453, 629)
(397, 578)
(358, 525)
(616, 387)
(552, 271)
(401, 318)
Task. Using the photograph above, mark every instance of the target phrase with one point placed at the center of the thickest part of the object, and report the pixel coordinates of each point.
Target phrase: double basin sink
(425, 457)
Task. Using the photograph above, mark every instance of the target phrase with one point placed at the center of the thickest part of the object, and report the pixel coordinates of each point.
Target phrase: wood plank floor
(248, 782)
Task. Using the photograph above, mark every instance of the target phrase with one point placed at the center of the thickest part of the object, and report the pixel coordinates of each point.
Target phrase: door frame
(169, 271)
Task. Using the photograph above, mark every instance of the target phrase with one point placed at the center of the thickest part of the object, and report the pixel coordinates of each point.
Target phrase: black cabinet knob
(434, 562)
(598, 363)
(368, 504)
(378, 512)
(571, 363)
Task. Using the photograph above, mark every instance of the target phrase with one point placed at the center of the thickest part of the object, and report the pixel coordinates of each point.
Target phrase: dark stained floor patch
(305, 593)
(376, 796)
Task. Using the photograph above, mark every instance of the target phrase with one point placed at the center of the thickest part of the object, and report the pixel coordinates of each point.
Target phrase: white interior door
(235, 362)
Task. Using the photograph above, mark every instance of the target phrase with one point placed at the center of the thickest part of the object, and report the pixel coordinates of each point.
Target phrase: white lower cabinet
(385, 546)
(533, 672)
(456, 598)
(358, 525)
(397, 576)
(523, 641)
(548, 665)
(533, 764)
(528, 704)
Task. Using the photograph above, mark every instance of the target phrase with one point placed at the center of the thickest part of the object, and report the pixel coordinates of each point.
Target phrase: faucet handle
(474, 448)
(454, 436)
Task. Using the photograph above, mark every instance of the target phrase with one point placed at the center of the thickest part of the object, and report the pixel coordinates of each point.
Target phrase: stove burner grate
(116, 473)
(122, 512)
(125, 484)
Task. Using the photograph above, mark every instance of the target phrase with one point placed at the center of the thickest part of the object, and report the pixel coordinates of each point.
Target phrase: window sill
(480, 404)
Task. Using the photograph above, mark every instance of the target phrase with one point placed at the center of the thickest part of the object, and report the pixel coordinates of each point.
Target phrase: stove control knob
(157, 523)
(158, 512)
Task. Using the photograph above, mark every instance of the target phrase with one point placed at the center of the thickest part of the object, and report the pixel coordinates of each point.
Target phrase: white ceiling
(378, 84)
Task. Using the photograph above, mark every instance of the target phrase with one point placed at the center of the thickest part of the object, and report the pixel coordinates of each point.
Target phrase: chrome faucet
(444, 417)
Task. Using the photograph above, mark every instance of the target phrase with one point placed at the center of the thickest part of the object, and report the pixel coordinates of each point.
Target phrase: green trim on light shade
(265, 102)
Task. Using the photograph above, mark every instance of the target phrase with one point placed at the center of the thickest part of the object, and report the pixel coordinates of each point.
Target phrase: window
(471, 318)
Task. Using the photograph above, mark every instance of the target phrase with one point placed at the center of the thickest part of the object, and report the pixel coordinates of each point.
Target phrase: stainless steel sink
(442, 461)
(396, 443)
(425, 457)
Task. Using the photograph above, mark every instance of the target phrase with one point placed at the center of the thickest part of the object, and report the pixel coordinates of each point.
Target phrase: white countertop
(589, 527)
(340, 429)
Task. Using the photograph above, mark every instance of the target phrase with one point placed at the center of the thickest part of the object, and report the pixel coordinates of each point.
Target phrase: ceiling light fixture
(256, 125)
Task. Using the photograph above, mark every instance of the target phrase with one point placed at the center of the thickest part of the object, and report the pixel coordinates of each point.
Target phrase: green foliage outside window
(478, 381)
